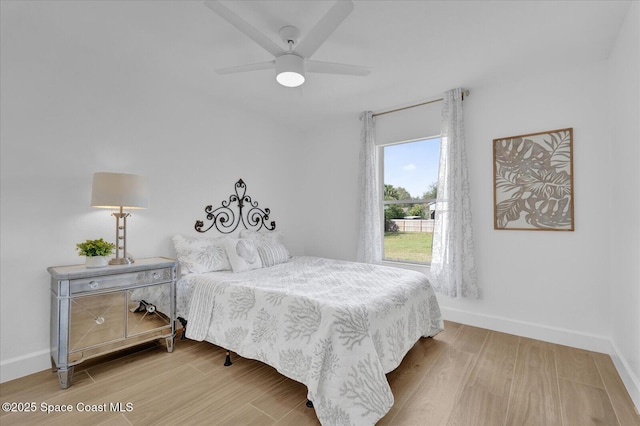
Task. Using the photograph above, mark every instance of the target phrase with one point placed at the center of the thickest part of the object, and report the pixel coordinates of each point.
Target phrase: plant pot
(96, 261)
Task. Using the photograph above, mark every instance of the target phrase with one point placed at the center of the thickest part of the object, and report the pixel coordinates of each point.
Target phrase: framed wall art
(533, 181)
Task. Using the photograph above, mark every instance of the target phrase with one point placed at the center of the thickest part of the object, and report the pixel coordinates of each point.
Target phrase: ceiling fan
(293, 62)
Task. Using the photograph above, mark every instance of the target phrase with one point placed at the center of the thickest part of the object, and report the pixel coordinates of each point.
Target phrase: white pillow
(259, 238)
(272, 254)
(200, 254)
(242, 254)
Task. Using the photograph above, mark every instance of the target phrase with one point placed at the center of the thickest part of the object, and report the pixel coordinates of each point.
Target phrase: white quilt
(337, 327)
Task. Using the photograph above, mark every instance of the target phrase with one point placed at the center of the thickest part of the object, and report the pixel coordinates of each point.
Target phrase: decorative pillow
(242, 254)
(200, 255)
(259, 238)
(272, 254)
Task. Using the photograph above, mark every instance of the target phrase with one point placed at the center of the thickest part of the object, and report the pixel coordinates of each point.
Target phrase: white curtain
(370, 235)
(453, 266)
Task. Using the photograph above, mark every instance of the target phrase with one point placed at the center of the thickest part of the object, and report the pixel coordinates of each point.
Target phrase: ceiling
(417, 49)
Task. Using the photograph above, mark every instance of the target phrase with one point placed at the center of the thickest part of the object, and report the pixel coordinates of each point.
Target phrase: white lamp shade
(290, 70)
(115, 190)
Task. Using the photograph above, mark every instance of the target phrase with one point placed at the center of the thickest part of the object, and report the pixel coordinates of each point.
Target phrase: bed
(337, 327)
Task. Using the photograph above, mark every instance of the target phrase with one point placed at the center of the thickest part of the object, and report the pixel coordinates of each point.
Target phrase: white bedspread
(337, 327)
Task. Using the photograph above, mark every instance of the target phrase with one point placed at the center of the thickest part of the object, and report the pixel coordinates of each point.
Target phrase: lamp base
(121, 261)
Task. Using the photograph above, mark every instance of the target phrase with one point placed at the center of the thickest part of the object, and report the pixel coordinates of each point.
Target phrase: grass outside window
(408, 246)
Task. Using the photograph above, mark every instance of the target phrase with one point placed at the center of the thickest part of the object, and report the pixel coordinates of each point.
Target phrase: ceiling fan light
(290, 70)
(290, 79)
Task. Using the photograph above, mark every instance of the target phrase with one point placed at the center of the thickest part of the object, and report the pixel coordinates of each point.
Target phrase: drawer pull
(93, 284)
(156, 275)
(100, 320)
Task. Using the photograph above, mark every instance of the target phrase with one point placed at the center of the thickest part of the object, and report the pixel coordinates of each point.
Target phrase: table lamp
(120, 191)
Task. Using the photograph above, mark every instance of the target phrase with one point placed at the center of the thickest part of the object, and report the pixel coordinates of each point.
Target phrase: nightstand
(95, 311)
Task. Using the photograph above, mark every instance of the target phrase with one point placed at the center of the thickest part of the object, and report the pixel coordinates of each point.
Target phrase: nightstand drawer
(107, 282)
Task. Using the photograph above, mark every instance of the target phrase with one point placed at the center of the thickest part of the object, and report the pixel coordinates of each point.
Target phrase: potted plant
(96, 252)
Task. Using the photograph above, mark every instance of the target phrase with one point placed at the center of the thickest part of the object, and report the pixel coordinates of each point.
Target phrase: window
(410, 177)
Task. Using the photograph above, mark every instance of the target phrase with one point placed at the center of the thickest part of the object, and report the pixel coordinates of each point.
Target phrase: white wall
(60, 126)
(624, 195)
(331, 188)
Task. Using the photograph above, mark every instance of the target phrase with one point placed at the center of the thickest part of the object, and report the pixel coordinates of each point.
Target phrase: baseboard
(630, 380)
(560, 336)
(24, 365)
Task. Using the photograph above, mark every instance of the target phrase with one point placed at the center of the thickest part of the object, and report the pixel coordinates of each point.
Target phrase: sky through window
(412, 166)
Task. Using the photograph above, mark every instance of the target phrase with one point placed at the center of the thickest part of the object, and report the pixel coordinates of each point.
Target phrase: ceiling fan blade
(244, 27)
(248, 67)
(333, 68)
(323, 29)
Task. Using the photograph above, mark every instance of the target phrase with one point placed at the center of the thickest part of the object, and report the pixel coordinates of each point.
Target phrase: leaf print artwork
(533, 181)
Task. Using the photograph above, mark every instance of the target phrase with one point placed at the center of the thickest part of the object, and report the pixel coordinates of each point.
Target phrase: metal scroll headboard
(225, 220)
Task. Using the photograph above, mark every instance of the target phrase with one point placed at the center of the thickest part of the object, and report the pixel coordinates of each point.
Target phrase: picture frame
(533, 181)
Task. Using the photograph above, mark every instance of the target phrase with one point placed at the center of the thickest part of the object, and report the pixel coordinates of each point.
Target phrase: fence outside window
(413, 225)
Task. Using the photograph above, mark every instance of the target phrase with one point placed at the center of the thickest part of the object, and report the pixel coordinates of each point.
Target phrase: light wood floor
(463, 376)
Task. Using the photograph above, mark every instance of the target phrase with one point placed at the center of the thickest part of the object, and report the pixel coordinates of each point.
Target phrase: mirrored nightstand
(95, 311)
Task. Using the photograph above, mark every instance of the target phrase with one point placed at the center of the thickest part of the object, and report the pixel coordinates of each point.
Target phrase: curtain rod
(464, 92)
(407, 107)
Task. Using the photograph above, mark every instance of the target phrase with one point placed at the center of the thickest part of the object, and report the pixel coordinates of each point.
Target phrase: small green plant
(92, 248)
